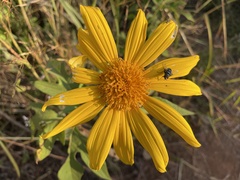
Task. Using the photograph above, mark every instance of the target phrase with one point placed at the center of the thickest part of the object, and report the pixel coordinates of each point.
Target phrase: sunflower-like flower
(120, 90)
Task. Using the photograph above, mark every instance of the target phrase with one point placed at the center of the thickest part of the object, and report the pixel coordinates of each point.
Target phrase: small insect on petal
(167, 73)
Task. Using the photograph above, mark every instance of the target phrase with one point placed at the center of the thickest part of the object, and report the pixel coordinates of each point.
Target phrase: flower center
(123, 86)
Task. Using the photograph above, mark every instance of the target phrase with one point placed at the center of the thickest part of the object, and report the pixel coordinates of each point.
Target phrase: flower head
(121, 87)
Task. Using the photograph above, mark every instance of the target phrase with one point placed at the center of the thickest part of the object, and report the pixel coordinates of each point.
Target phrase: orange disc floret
(123, 86)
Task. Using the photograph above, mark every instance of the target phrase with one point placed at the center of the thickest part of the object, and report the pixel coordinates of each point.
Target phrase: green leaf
(48, 114)
(47, 145)
(188, 15)
(71, 169)
(103, 172)
(49, 88)
(182, 111)
(79, 144)
(40, 118)
(73, 15)
(45, 148)
(58, 69)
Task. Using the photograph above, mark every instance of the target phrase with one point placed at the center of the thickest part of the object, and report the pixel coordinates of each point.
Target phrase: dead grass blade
(11, 158)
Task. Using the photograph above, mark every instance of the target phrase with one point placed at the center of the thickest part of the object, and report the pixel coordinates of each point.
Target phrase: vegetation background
(37, 38)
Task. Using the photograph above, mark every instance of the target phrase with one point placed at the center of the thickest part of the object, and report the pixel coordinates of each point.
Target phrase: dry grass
(34, 35)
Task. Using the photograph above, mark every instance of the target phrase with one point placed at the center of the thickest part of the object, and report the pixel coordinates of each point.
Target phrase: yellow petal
(101, 137)
(171, 118)
(82, 114)
(99, 32)
(85, 76)
(136, 36)
(158, 42)
(90, 49)
(179, 66)
(178, 87)
(148, 135)
(77, 61)
(73, 97)
(123, 142)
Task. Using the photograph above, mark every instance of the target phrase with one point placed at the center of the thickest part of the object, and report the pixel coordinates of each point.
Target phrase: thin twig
(186, 42)
(31, 148)
(13, 121)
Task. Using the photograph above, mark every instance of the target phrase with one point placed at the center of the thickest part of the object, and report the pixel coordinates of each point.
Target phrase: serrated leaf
(71, 169)
(49, 88)
(182, 111)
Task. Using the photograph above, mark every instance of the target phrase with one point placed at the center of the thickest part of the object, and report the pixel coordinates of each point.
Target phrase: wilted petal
(77, 61)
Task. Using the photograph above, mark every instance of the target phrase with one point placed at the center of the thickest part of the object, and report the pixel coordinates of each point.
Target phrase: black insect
(167, 73)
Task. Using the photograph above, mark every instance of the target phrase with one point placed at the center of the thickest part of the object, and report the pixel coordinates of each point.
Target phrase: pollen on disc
(123, 86)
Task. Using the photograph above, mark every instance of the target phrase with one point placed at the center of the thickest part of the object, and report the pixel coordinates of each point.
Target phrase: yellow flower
(121, 87)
